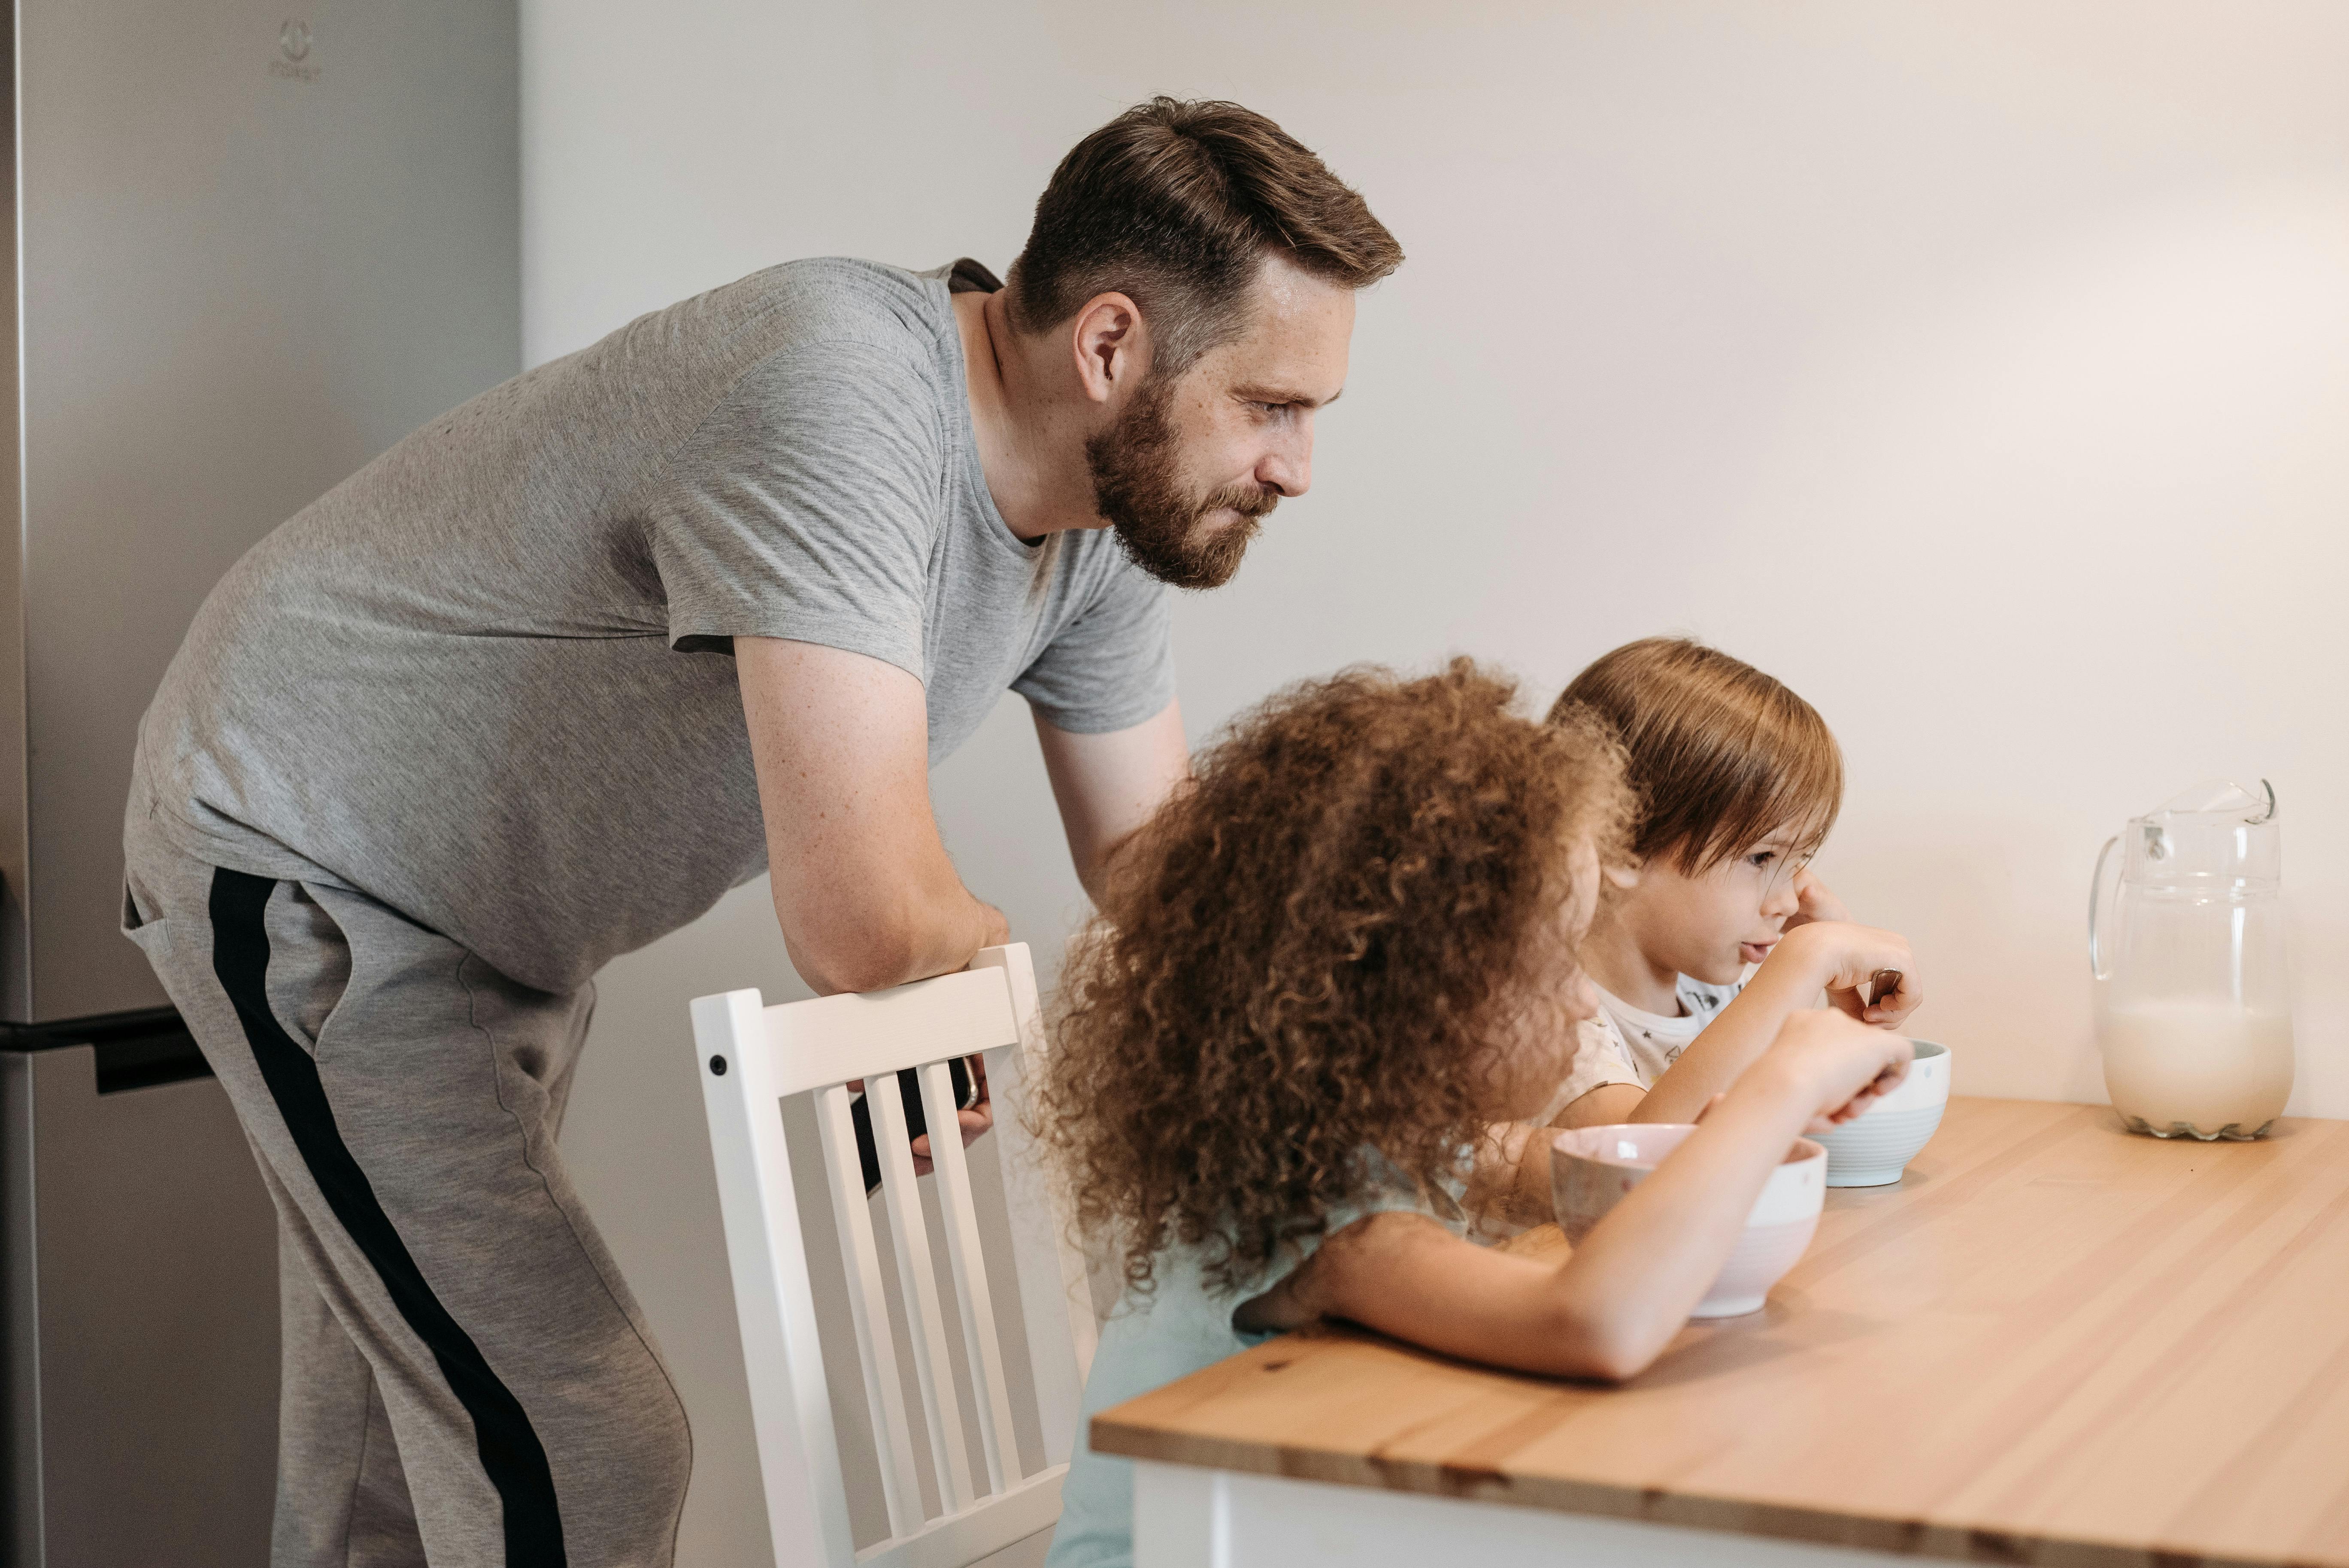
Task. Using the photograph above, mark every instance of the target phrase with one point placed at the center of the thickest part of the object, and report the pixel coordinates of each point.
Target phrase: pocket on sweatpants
(153, 936)
(311, 963)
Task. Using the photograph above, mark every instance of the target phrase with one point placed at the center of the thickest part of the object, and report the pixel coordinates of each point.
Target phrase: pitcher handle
(2095, 890)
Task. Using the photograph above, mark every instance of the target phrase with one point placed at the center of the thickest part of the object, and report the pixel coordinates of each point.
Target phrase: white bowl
(1873, 1148)
(1591, 1168)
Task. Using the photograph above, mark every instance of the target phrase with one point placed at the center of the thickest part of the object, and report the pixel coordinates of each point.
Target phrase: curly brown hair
(1316, 956)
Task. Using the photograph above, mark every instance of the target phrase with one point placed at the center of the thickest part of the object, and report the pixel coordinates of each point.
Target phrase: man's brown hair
(1174, 204)
(1720, 755)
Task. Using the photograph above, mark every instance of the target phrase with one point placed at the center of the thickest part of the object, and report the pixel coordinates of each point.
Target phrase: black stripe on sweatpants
(511, 1452)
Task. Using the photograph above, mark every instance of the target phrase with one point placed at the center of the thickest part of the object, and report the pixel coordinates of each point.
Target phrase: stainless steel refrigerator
(254, 245)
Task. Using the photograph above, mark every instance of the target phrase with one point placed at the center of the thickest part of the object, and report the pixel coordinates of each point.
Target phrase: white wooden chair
(751, 1057)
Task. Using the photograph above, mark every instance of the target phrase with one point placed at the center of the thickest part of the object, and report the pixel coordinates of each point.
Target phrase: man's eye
(1762, 859)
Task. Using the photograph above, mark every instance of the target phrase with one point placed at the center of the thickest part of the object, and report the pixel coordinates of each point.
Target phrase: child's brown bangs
(1721, 756)
(1787, 774)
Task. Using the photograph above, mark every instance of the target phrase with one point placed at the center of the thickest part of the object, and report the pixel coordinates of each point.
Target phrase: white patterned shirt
(1626, 1045)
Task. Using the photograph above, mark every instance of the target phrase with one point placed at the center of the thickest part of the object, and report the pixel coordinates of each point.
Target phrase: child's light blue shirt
(1149, 1342)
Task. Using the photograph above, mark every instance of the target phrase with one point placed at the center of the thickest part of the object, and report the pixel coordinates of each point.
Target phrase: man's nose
(1289, 467)
(1782, 898)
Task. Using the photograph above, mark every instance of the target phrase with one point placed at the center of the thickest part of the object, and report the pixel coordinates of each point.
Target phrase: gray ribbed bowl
(1873, 1150)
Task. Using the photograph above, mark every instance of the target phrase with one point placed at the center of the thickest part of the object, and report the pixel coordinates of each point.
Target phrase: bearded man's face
(1168, 527)
(1193, 463)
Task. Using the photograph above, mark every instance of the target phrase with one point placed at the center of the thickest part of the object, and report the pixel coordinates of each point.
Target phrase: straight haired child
(1738, 780)
(1320, 976)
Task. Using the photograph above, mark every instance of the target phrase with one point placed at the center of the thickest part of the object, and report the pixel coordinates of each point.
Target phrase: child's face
(1710, 925)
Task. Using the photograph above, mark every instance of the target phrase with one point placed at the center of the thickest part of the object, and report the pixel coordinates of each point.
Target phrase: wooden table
(2053, 1343)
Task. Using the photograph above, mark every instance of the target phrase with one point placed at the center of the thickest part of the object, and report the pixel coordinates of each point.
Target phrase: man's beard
(1138, 487)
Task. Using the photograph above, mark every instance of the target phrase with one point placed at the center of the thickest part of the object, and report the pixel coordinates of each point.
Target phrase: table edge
(1946, 1540)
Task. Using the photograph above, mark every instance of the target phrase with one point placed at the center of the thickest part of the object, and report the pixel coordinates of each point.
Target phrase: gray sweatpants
(468, 1381)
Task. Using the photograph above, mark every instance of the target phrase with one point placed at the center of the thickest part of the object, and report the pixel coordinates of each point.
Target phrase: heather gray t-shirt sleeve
(1113, 665)
(805, 506)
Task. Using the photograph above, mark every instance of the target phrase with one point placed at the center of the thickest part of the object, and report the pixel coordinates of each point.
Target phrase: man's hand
(863, 890)
(976, 1117)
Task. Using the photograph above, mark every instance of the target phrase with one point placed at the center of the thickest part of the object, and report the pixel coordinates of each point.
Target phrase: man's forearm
(937, 935)
(1106, 786)
(864, 889)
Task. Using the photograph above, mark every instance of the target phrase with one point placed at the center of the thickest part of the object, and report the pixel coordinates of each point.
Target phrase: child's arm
(1512, 1180)
(1604, 1085)
(1616, 1302)
(1826, 955)
(1604, 1106)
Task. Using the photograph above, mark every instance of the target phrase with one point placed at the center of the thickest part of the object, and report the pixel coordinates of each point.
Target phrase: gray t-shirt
(487, 678)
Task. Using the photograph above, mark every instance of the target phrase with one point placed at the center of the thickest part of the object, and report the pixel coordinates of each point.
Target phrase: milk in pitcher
(2194, 1064)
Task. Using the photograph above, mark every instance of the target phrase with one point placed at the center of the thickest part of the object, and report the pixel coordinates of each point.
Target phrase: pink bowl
(1591, 1168)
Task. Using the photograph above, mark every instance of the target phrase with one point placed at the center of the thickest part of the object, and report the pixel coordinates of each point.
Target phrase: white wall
(1981, 369)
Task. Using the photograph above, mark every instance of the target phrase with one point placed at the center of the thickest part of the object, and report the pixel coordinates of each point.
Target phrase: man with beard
(546, 679)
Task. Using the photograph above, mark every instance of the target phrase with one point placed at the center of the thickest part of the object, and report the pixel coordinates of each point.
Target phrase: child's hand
(1291, 1303)
(1815, 903)
(1840, 1068)
(1844, 956)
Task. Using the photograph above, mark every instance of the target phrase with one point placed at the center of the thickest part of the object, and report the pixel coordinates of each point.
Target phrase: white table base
(1187, 1517)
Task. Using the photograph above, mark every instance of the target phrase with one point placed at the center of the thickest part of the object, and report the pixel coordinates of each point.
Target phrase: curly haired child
(1324, 977)
(1738, 782)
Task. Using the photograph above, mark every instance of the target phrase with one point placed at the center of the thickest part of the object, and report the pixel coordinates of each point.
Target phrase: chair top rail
(829, 1040)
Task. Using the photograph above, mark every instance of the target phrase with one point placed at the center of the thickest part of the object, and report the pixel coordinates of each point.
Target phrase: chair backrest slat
(910, 1233)
(754, 1058)
(998, 1438)
(1055, 1299)
(876, 1349)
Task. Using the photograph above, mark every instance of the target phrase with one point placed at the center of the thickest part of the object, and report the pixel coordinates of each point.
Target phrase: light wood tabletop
(2053, 1342)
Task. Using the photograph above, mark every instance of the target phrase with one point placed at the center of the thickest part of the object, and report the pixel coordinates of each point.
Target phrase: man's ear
(1624, 875)
(1111, 345)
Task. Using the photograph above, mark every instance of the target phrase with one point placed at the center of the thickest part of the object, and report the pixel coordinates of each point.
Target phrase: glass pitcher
(2193, 987)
